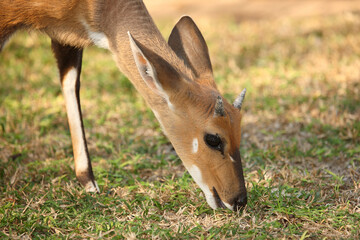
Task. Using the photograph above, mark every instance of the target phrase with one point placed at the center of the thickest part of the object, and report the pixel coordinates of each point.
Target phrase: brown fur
(183, 67)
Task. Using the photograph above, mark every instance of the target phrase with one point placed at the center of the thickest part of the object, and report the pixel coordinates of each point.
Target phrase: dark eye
(214, 142)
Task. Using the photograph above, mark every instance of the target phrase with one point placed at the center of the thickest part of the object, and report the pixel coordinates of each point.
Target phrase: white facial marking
(197, 176)
(98, 38)
(229, 206)
(231, 158)
(195, 145)
(68, 86)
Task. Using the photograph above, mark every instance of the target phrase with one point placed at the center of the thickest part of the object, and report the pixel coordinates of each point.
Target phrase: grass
(300, 146)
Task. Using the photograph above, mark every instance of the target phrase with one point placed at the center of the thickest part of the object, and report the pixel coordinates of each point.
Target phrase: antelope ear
(157, 73)
(188, 44)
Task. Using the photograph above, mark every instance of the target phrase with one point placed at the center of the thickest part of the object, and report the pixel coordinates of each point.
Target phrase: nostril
(240, 202)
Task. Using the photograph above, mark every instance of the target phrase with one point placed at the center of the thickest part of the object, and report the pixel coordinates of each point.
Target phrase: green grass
(300, 146)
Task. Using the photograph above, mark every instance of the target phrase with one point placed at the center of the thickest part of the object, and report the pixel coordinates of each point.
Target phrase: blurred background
(248, 9)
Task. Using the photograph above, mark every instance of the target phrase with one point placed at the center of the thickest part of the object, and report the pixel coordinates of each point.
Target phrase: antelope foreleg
(69, 61)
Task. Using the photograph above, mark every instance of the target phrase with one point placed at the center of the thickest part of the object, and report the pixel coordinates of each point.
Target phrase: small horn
(239, 100)
(219, 107)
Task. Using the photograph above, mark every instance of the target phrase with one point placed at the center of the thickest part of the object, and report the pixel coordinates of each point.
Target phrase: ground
(300, 132)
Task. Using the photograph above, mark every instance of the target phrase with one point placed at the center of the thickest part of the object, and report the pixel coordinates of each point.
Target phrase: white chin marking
(195, 145)
(197, 176)
(229, 206)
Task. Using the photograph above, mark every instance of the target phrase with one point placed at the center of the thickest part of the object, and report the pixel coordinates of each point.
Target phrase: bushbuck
(175, 78)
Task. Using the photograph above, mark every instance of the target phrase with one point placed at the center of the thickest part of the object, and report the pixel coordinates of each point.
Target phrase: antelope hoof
(92, 187)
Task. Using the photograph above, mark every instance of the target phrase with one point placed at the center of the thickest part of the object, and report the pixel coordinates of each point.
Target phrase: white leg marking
(195, 145)
(98, 38)
(197, 176)
(68, 85)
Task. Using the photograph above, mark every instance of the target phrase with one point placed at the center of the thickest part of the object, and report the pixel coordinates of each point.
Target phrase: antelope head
(202, 126)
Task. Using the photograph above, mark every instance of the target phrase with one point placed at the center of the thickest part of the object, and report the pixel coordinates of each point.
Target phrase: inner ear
(157, 73)
(188, 43)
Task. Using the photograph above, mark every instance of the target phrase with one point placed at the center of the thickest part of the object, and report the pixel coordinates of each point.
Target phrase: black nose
(240, 202)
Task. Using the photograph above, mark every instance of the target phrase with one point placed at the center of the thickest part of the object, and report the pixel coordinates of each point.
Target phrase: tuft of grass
(300, 146)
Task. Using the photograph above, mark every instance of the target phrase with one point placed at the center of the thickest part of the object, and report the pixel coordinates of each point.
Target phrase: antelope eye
(214, 141)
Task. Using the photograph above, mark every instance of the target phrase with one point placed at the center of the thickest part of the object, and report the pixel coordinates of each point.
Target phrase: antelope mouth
(218, 200)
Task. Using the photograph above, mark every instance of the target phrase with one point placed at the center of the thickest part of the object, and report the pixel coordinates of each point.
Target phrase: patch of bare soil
(248, 9)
